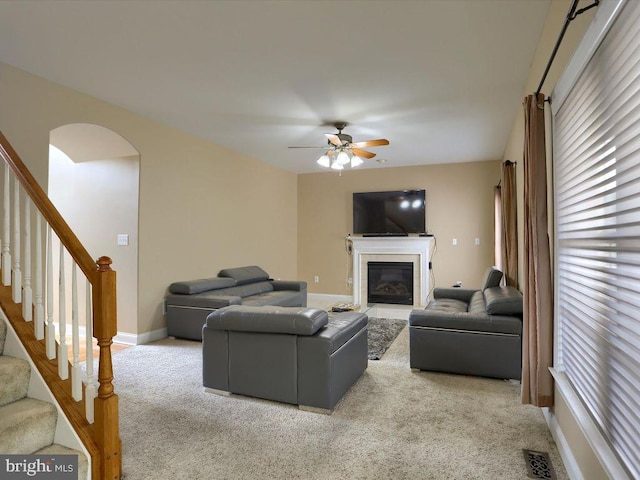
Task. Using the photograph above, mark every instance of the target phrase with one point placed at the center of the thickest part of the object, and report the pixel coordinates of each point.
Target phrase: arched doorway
(93, 181)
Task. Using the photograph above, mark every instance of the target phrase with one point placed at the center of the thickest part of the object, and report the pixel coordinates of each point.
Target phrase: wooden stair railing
(96, 420)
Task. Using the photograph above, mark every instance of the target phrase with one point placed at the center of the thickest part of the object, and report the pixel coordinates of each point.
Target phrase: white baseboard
(598, 444)
(140, 339)
(569, 460)
(329, 297)
(127, 338)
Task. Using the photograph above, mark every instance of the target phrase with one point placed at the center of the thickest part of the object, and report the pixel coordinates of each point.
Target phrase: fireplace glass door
(390, 282)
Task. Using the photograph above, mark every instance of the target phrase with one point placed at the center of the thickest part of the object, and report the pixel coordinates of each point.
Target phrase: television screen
(385, 213)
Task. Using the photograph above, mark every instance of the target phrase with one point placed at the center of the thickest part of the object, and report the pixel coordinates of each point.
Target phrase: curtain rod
(573, 13)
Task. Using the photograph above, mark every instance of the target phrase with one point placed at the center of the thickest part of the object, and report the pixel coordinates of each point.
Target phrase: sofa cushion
(268, 319)
(492, 278)
(210, 299)
(248, 289)
(202, 285)
(244, 275)
(341, 328)
(463, 321)
(278, 298)
(477, 305)
(450, 305)
(503, 301)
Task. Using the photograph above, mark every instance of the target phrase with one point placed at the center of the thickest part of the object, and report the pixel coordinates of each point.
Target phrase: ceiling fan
(342, 150)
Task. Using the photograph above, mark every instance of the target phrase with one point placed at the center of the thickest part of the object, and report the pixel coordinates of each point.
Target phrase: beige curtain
(509, 224)
(537, 342)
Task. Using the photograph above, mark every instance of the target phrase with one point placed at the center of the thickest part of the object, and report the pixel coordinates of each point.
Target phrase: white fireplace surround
(391, 249)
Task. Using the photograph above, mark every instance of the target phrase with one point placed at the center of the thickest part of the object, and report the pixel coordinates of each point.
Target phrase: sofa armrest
(463, 294)
(289, 285)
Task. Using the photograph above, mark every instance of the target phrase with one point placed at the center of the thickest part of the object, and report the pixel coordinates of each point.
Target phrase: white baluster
(90, 391)
(27, 293)
(6, 229)
(76, 380)
(39, 323)
(51, 328)
(17, 274)
(63, 355)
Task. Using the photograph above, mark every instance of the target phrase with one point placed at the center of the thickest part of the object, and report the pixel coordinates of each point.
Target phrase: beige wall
(202, 207)
(459, 205)
(99, 200)
(514, 148)
(584, 457)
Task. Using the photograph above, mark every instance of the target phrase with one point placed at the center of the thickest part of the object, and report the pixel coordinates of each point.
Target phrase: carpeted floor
(393, 424)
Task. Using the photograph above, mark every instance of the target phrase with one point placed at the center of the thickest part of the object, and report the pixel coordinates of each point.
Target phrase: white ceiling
(443, 80)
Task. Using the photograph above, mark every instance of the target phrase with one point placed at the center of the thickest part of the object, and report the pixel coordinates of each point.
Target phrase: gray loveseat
(472, 332)
(189, 302)
(287, 354)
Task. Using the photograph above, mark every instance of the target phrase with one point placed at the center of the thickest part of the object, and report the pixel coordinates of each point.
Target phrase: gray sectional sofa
(189, 302)
(471, 332)
(287, 354)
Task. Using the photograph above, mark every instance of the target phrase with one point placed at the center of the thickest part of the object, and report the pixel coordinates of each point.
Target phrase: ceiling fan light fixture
(341, 151)
(324, 161)
(336, 165)
(343, 158)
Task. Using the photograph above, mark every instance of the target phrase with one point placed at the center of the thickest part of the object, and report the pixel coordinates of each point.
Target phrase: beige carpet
(393, 424)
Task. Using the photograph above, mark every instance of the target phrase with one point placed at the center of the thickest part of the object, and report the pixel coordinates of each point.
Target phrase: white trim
(605, 14)
(598, 443)
(142, 338)
(568, 459)
(127, 338)
(401, 246)
(329, 297)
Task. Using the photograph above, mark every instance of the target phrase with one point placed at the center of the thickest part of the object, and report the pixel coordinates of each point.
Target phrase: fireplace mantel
(400, 249)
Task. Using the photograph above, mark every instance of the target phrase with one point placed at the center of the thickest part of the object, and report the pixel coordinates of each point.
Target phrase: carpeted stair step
(27, 425)
(3, 335)
(14, 379)
(55, 449)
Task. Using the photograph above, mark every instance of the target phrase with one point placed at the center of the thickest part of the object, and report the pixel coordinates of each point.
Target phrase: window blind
(597, 210)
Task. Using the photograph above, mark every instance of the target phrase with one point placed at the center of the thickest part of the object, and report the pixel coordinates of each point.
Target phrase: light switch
(477, 240)
(454, 241)
(123, 239)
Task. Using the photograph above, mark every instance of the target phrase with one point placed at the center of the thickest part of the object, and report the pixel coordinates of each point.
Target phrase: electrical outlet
(350, 281)
(477, 240)
(316, 279)
(454, 241)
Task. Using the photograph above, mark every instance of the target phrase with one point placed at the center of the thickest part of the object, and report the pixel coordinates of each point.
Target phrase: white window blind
(597, 208)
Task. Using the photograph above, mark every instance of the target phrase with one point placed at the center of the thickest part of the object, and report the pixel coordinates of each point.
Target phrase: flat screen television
(398, 212)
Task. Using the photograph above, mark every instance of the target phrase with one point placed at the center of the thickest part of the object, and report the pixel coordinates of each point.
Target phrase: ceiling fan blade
(362, 153)
(334, 139)
(371, 143)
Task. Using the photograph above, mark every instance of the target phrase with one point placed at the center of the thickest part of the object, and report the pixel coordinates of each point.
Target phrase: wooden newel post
(106, 403)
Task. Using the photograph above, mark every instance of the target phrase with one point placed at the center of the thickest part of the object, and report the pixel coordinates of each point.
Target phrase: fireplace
(390, 282)
(412, 249)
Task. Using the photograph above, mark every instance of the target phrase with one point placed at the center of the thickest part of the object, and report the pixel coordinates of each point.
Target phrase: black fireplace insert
(390, 282)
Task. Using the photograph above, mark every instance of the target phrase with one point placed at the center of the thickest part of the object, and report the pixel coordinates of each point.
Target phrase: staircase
(27, 425)
(83, 413)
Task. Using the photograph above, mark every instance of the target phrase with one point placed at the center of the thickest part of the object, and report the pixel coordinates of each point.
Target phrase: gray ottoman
(288, 354)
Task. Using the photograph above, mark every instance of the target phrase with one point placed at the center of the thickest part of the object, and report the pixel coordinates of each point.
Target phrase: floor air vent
(539, 465)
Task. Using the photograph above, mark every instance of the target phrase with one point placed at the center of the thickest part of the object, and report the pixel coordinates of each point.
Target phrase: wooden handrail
(48, 210)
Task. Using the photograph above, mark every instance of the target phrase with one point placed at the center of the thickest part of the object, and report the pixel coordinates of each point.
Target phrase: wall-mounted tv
(398, 212)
